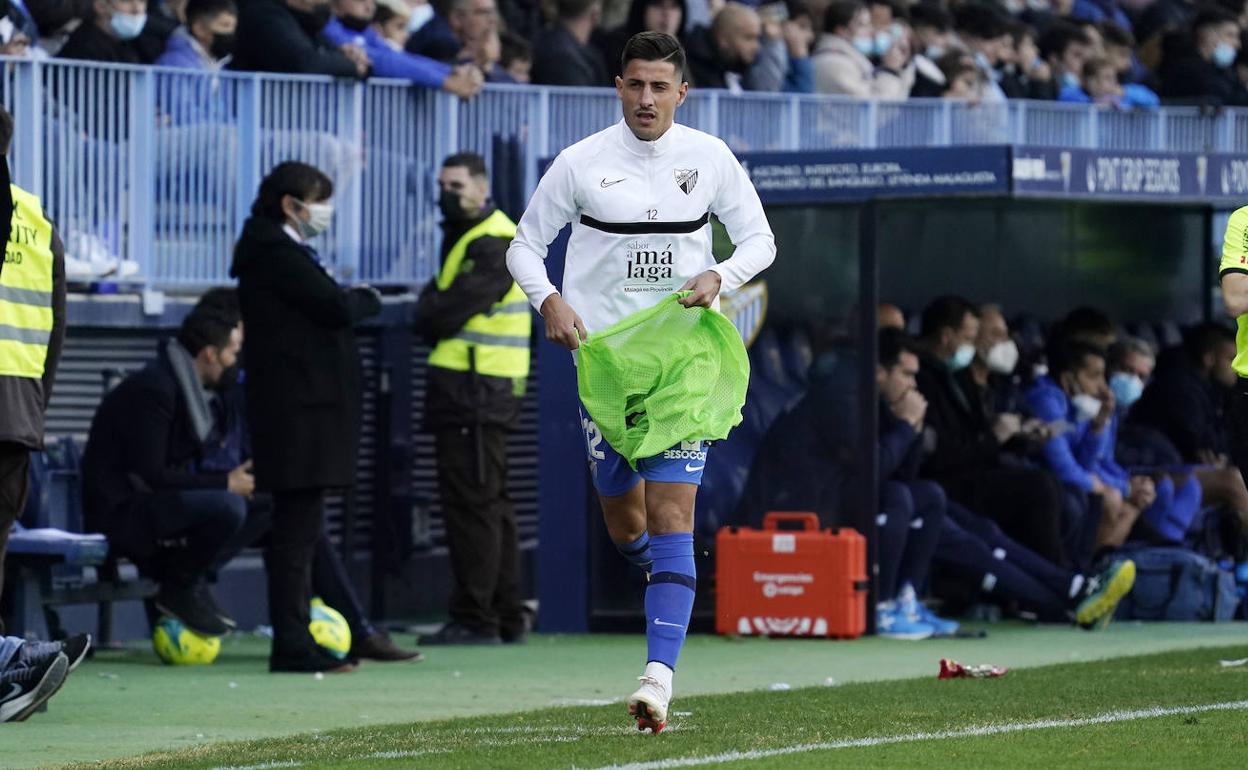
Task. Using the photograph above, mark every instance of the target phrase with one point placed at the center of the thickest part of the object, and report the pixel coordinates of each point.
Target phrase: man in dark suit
(562, 54)
(142, 485)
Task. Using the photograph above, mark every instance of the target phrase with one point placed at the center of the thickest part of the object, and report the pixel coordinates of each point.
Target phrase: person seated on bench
(141, 484)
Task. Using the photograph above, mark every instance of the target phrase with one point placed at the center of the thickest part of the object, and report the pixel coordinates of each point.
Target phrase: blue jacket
(183, 52)
(194, 98)
(1133, 95)
(387, 62)
(1078, 454)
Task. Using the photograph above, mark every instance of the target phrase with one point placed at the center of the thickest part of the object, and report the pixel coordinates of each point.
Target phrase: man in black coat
(562, 54)
(110, 34)
(304, 387)
(285, 36)
(721, 54)
(1185, 400)
(472, 401)
(142, 484)
(966, 444)
(1207, 73)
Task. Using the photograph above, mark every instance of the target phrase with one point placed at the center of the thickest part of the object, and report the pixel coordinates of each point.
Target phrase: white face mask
(319, 217)
(127, 26)
(1003, 357)
(962, 357)
(1088, 407)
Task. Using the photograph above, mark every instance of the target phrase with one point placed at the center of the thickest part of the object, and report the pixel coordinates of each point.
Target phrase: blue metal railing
(159, 166)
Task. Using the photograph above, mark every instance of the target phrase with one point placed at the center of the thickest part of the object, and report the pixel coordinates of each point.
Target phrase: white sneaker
(649, 704)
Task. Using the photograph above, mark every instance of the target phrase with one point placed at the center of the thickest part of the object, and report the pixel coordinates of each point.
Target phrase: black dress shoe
(458, 634)
(309, 662)
(185, 604)
(205, 596)
(379, 646)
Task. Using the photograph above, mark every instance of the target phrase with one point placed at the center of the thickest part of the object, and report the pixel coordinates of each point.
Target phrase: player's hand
(358, 57)
(705, 288)
(563, 326)
(912, 408)
(1006, 426)
(241, 482)
(1108, 404)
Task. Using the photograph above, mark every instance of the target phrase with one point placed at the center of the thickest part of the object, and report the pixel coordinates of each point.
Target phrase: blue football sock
(669, 597)
(638, 551)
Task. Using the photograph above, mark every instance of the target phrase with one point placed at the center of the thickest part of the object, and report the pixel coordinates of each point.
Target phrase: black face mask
(315, 20)
(451, 207)
(354, 23)
(228, 378)
(222, 45)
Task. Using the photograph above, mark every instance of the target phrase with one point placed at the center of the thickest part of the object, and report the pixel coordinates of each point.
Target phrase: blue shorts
(613, 476)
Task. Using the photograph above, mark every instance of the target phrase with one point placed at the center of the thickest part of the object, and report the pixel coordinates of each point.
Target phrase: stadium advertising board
(856, 175)
(1109, 174)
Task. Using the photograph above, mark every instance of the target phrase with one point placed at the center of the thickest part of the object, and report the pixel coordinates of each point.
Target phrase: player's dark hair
(981, 21)
(573, 9)
(207, 10)
(469, 160)
(1058, 37)
(1069, 356)
(892, 343)
(1115, 35)
(1204, 338)
(210, 322)
(1084, 322)
(654, 46)
(1212, 16)
(947, 312)
(298, 180)
(513, 48)
(841, 14)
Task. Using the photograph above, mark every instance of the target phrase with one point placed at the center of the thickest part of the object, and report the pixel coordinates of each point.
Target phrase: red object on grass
(951, 669)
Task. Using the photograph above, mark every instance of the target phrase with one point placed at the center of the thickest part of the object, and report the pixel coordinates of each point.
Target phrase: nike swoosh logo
(691, 468)
(605, 183)
(658, 622)
(16, 689)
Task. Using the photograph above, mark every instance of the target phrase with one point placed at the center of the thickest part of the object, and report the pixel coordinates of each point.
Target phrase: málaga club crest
(686, 179)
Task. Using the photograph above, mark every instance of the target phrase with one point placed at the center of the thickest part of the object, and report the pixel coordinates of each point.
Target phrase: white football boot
(649, 704)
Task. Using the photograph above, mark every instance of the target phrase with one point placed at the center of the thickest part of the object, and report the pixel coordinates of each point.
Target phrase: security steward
(32, 332)
(478, 321)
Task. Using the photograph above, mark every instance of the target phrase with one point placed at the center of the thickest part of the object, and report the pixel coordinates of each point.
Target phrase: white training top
(639, 212)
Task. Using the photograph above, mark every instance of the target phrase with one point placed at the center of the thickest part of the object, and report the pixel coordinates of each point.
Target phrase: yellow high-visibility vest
(26, 290)
(499, 337)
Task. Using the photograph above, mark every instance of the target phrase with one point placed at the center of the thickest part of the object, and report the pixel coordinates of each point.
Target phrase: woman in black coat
(303, 388)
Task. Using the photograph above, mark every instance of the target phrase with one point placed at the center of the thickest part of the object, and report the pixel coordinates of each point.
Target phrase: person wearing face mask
(351, 25)
(1065, 47)
(304, 387)
(1082, 455)
(206, 42)
(1206, 74)
(288, 36)
(110, 34)
(967, 442)
(477, 321)
(985, 31)
(142, 486)
(841, 57)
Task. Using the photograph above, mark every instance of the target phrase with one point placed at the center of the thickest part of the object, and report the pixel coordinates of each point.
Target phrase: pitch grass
(711, 725)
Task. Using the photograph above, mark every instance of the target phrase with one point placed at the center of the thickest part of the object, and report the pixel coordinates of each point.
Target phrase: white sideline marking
(969, 732)
(263, 766)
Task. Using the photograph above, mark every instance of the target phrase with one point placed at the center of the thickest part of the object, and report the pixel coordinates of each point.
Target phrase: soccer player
(639, 196)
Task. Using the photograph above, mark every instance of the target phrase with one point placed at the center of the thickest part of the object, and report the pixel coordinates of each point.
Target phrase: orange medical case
(791, 582)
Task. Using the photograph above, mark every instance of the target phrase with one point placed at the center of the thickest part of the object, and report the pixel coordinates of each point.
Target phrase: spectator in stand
(390, 21)
(1065, 48)
(351, 27)
(516, 57)
(932, 40)
(964, 81)
(889, 316)
(783, 62)
(286, 36)
(206, 42)
(841, 63)
(1099, 11)
(966, 445)
(1186, 397)
(562, 54)
(1026, 75)
(720, 56)
(1119, 45)
(109, 34)
(444, 38)
(985, 31)
(1205, 74)
(1100, 86)
(667, 16)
